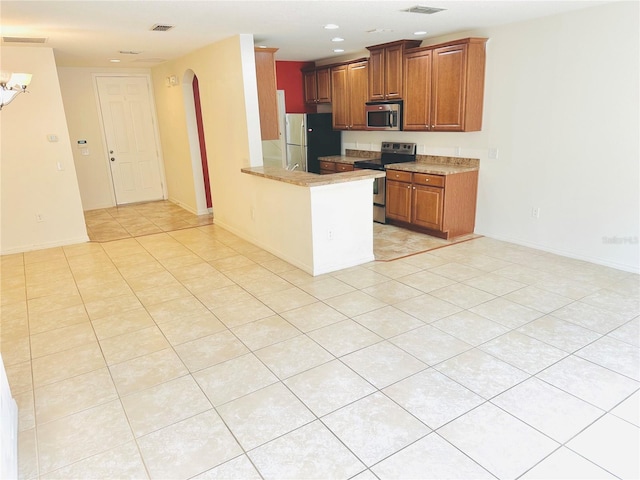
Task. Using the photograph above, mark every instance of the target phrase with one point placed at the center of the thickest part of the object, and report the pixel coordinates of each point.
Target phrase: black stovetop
(390, 153)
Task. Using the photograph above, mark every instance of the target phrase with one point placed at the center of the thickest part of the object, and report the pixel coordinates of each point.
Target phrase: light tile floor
(194, 354)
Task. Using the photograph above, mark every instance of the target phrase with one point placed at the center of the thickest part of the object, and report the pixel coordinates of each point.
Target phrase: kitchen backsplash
(361, 153)
(458, 161)
(430, 159)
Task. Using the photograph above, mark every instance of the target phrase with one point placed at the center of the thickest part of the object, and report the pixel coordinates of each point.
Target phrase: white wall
(8, 428)
(78, 95)
(562, 107)
(31, 183)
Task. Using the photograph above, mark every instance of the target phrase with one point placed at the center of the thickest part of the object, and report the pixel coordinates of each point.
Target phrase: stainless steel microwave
(384, 115)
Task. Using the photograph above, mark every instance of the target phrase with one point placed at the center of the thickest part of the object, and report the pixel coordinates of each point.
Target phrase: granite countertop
(432, 168)
(307, 179)
(341, 159)
(432, 164)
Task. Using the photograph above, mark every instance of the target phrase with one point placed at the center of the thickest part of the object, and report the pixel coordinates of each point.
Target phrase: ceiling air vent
(130, 52)
(24, 39)
(424, 10)
(158, 27)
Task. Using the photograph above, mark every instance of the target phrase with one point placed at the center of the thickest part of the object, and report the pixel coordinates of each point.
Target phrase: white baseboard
(565, 253)
(42, 246)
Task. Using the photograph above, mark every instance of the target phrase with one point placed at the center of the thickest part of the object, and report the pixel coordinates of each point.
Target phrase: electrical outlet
(493, 153)
(39, 217)
(329, 234)
(535, 212)
(456, 151)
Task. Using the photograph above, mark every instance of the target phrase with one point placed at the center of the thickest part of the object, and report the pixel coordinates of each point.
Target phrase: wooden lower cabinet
(399, 201)
(344, 167)
(442, 206)
(427, 206)
(334, 167)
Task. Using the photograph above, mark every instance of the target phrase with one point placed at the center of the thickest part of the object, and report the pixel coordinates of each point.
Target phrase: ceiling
(92, 32)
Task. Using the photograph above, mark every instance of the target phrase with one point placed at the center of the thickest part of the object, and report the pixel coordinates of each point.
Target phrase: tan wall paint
(30, 180)
(83, 118)
(228, 93)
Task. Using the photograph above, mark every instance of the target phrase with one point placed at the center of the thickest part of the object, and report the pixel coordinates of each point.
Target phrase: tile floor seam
(383, 339)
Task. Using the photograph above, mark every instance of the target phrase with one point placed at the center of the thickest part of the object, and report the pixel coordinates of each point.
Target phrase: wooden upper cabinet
(386, 69)
(449, 88)
(340, 98)
(323, 76)
(358, 93)
(444, 86)
(317, 85)
(349, 93)
(267, 96)
(417, 90)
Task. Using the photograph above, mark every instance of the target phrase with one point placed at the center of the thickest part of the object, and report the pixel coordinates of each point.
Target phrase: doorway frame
(156, 130)
(194, 143)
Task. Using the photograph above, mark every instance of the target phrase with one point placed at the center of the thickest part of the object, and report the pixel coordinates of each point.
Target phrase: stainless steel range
(389, 153)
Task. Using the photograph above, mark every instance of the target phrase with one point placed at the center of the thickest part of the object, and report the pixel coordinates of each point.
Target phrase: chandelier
(11, 84)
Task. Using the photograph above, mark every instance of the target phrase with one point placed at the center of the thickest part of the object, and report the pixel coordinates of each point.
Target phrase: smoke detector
(424, 10)
(158, 27)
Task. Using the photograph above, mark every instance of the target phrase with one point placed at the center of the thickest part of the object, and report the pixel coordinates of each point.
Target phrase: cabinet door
(393, 72)
(267, 96)
(448, 89)
(358, 94)
(398, 201)
(376, 75)
(323, 85)
(417, 90)
(340, 97)
(310, 87)
(427, 206)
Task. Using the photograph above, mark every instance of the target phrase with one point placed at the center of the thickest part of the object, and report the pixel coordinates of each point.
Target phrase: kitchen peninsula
(319, 223)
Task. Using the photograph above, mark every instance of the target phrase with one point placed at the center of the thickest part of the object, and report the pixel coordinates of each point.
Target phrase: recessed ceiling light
(114, 60)
(262, 46)
(331, 26)
(421, 32)
(338, 50)
(379, 30)
(337, 39)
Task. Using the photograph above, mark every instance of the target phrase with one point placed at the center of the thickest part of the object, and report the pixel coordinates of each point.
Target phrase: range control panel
(398, 148)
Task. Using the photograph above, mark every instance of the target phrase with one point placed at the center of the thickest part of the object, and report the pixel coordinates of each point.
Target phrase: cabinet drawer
(427, 179)
(344, 167)
(399, 176)
(327, 166)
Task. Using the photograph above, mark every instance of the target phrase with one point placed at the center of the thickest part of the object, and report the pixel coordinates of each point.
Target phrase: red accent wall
(289, 79)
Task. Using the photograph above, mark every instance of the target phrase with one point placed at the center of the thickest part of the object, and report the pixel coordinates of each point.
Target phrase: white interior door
(127, 117)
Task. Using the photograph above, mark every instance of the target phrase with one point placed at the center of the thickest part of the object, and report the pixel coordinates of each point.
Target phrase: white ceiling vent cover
(159, 27)
(424, 10)
(24, 39)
